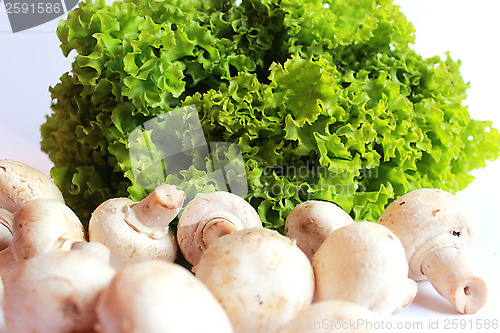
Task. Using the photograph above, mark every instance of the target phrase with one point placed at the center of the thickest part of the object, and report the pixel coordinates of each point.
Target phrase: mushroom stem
(160, 207)
(452, 274)
(215, 229)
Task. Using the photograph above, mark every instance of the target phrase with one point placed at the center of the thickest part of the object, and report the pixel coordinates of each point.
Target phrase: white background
(31, 61)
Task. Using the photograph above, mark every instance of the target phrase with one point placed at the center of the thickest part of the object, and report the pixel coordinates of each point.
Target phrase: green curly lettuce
(325, 99)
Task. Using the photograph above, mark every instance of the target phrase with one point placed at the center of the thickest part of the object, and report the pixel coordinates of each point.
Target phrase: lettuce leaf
(325, 99)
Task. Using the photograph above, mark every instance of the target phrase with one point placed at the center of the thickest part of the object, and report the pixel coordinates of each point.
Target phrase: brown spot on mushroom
(70, 307)
(308, 227)
(59, 242)
(467, 291)
(434, 212)
(277, 302)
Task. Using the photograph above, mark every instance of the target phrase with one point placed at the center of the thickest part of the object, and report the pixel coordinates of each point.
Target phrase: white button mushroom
(6, 219)
(40, 226)
(437, 229)
(364, 263)
(310, 222)
(55, 292)
(261, 278)
(20, 183)
(139, 231)
(43, 225)
(334, 316)
(158, 296)
(209, 216)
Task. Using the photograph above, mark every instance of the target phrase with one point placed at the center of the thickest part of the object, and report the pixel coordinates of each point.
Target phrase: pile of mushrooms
(124, 275)
(65, 283)
(422, 235)
(33, 212)
(57, 291)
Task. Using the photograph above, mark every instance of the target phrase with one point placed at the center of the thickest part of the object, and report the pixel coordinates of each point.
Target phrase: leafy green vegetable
(325, 99)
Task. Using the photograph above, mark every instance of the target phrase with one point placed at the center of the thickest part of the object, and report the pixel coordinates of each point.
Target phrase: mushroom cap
(364, 263)
(261, 278)
(55, 292)
(157, 296)
(6, 219)
(94, 249)
(108, 225)
(43, 225)
(333, 316)
(206, 207)
(310, 222)
(428, 219)
(20, 183)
